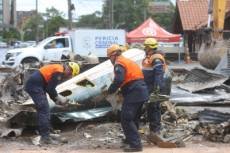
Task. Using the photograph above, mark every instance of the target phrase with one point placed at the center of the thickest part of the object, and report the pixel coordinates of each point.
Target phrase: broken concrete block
(87, 135)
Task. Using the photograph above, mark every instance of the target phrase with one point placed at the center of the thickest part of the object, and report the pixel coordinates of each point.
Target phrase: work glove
(156, 95)
(105, 93)
(156, 89)
(61, 100)
(104, 90)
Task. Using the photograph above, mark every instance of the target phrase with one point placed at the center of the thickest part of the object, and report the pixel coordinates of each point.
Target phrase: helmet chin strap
(150, 52)
(67, 70)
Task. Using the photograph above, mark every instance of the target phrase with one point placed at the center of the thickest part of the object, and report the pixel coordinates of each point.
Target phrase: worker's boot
(48, 141)
(128, 148)
(124, 143)
(154, 137)
(58, 138)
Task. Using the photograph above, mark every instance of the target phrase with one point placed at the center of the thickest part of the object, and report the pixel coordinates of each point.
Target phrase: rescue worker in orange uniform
(45, 81)
(153, 67)
(129, 78)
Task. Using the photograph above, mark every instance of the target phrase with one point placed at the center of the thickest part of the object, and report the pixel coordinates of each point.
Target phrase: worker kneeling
(45, 81)
(129, 78)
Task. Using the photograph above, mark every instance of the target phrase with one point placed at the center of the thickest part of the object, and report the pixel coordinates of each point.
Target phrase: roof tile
(193, 13)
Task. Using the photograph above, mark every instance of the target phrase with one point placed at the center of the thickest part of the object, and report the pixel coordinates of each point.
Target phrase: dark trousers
(154, 116)
(130, 115)
(39, 98)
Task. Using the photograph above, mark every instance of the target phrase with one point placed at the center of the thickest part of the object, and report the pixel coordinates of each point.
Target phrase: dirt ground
(191, 147)
(101, 138)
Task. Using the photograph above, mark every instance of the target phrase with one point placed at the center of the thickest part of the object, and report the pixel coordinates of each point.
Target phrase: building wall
(6, 12)
(23, 16)
(7, 15)
(1, 12)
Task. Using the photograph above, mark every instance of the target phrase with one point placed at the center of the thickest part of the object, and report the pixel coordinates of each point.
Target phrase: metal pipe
(210, 10)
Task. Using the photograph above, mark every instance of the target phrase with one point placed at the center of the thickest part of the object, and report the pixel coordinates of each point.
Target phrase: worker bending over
(45, 81)
(129, 78)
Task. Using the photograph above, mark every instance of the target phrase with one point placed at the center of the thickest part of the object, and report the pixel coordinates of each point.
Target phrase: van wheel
(30, 63)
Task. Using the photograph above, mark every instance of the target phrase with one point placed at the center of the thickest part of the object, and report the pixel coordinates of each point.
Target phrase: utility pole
(145, 13)
(112, 14)
(13, 13)
(70, 14)
(37, 32)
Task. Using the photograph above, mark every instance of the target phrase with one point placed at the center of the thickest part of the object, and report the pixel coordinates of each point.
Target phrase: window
(58, 43)
(85, 83)
(62, 43)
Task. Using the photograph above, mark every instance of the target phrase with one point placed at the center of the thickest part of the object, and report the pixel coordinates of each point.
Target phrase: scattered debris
(166, 145)
(181, 121)
(36, 140)
(86, 135)
(11, 89)
(10, 132)
(214, 125)
(214, 97)
(200, 79)
(212, 116)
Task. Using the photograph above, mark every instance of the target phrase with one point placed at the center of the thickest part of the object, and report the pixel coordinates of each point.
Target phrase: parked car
(21, 44)
(31, 43)
(3, 44)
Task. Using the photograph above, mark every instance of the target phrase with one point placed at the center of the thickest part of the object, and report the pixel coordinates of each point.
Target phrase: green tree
(52, 12)
(10, 34)
(93, 20)
(128, 14)
(53, 25)
(165, 19)
(48, 24)
(53, 21)
(30, 27)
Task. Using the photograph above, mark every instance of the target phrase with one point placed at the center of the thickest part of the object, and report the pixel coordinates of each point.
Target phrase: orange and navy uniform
(133, 72)
(153, 67)
(39, 83)
(129, 77)
(47, 77)
(48, 71)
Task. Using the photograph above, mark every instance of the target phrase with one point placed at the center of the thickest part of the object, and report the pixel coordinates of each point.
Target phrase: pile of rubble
(192, 110)
(11, 85)
(214, 126)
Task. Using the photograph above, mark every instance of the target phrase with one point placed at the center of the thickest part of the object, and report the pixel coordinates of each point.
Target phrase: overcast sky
(81, 6)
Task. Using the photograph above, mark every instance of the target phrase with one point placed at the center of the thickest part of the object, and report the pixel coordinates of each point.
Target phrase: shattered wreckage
(199, 102)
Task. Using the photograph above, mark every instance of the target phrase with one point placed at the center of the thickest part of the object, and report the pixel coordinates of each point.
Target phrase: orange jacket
(148, 61)
(48, 70)
(132, 70)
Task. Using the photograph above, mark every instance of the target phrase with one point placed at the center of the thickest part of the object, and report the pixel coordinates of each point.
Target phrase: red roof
(151, 29)
(194, 13)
